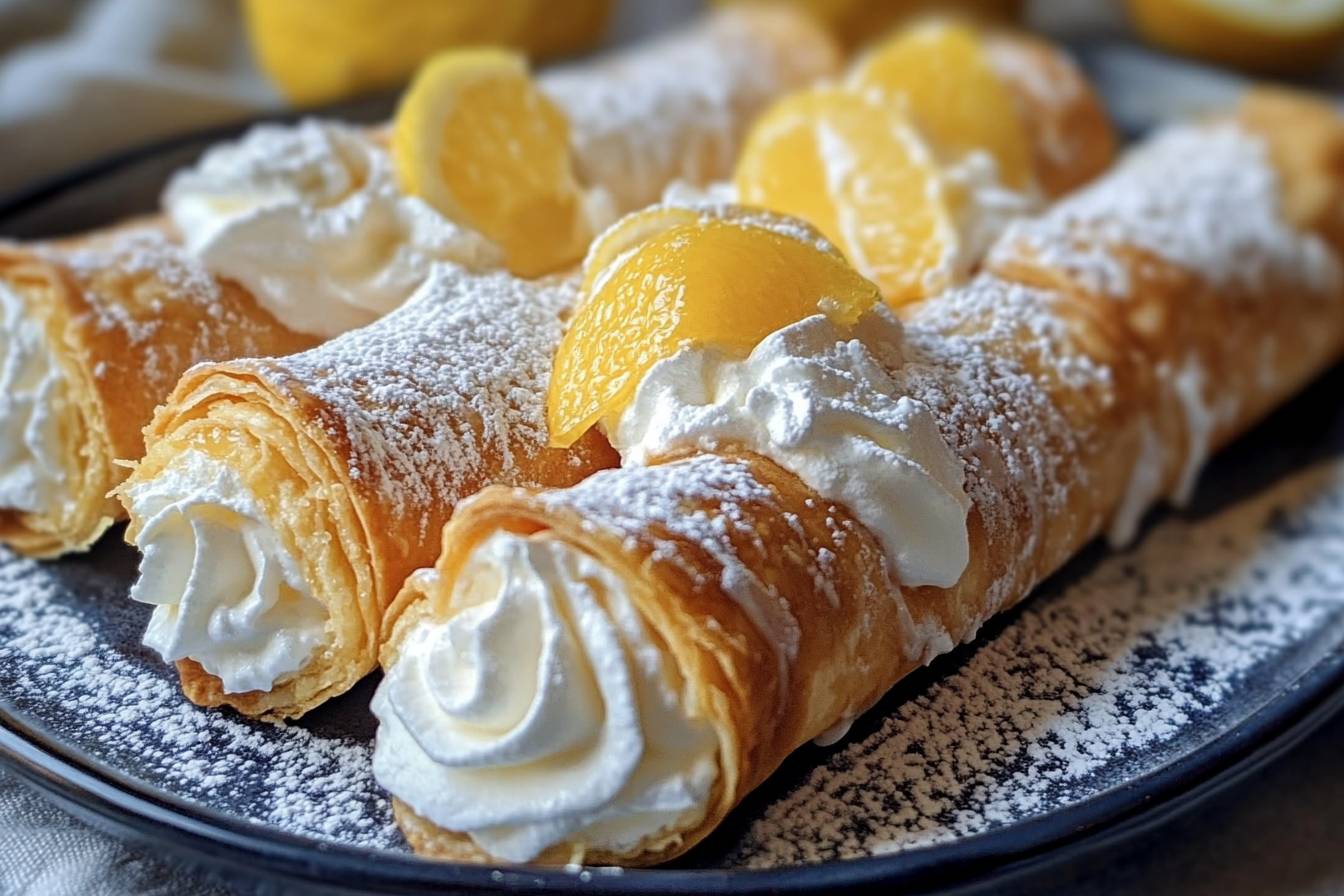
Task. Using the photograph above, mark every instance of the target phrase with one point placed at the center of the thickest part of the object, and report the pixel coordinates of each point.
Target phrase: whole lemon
(1283, 36)
(321, 51)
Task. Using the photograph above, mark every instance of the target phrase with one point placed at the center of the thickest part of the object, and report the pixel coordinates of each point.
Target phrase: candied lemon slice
(477, 140)
(708, 281)
(1266, 35)
(942, 72)
(854, 167)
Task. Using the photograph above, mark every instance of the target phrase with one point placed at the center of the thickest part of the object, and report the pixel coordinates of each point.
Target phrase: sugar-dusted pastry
(307, 231)
(935, 139)
(97, 331)
(281, 502)
(1170, 264)
(680, 107)
(602, 673)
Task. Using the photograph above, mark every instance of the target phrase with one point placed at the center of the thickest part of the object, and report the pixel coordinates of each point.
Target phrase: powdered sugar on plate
(71, 665)
(1103, 677)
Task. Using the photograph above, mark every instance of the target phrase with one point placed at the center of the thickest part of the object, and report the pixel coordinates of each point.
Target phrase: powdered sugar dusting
(1219, 219)
(429, 395)
(70, 656)
(643, 501)
(678, 107)
(146, 253)
(1148, 654)
(129, 278)
(1018, 450)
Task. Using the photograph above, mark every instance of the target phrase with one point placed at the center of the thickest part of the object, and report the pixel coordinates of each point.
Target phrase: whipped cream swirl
(541, 711)
(828, 404)
(309, 218)
(226, 592)
(32, 472)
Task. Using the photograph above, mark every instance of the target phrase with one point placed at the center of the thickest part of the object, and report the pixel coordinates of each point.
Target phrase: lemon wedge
(476, 139)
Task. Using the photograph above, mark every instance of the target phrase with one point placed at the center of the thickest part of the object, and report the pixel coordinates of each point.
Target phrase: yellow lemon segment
(707, 282)
(1264, 35)
(942, 72)
(855, 168)
(637, 228)
(626, 235)
(477, 140)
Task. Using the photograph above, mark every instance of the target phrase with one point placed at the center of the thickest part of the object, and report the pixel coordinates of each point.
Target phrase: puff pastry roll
(674, 631)
(677, 108)
(97, 331)
(1215, 252)
(281, 502)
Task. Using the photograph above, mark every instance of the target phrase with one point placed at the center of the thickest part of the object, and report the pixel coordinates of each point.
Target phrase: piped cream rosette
(728, 591)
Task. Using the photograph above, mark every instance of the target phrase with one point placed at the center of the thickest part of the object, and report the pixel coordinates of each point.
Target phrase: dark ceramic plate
(1129, 688)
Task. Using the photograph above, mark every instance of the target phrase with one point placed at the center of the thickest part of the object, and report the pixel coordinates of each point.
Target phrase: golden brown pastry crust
(1176, 318)
(126, 312)
(679, 108)
(1072, 139)
(359, 450)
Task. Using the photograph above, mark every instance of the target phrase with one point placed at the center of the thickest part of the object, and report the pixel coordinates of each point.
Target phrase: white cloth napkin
(45, 852)
(115, 73)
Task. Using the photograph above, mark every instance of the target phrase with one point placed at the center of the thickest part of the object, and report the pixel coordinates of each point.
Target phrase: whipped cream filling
(1142, 489)
(1201, 421)
(541, 711)
(309, 218)
(983, 207)
(32, 386)
(225, 590)
(826, 403)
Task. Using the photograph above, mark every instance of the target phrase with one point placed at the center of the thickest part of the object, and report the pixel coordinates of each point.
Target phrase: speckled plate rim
(236, 848)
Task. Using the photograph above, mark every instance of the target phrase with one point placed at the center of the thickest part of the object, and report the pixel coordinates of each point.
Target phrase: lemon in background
(1261, 35)
(856, 22)
(320, 51)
